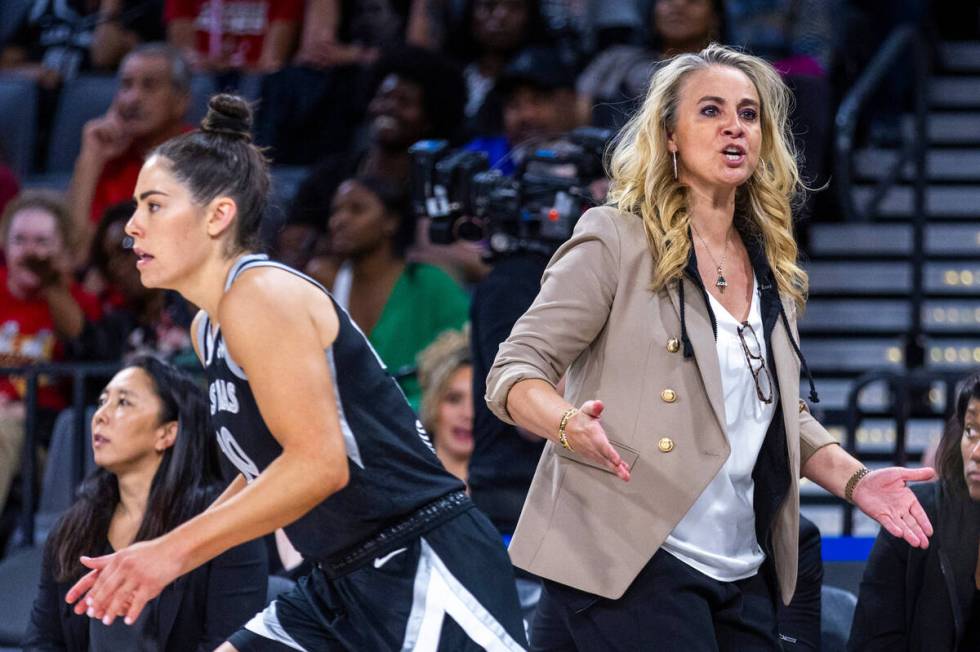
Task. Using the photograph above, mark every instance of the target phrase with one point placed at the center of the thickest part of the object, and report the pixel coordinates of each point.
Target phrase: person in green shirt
(401, 306)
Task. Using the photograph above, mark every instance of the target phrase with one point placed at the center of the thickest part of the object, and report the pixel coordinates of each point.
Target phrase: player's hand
(121, 584)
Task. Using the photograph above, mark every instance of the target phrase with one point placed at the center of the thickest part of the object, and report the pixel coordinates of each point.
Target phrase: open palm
(884, 496)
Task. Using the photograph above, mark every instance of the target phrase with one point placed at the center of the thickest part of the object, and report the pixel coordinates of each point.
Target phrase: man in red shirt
(149, 108)
(40, 308)
(220, 35)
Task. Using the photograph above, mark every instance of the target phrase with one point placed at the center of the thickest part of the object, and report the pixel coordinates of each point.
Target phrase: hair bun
(228, 115)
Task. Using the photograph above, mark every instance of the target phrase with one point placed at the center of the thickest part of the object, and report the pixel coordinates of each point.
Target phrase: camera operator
(536, 91)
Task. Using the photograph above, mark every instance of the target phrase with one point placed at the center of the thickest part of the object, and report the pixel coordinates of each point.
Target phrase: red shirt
(118, 179)
(8, 186)
(27, 336)
(237, 37)
(116, 183)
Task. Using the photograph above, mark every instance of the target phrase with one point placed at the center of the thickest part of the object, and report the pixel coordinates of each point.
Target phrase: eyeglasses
(757, 363)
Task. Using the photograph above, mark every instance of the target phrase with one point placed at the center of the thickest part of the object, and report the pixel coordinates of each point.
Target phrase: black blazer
(196, 612)
(920, 600)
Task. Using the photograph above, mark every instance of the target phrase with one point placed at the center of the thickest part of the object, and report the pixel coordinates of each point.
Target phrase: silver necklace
(720, 282)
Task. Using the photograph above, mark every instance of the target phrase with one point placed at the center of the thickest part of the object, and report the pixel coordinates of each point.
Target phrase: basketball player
(326, 445)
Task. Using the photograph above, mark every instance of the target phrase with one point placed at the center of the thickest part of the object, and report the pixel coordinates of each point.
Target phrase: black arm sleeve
(44, 631)
(879, 620)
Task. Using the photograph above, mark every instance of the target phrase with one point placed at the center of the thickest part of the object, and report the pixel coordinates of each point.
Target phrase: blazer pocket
(627, 454)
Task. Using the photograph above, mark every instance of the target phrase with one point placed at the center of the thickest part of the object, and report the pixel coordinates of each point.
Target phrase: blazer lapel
(787, 377)
(702, 336)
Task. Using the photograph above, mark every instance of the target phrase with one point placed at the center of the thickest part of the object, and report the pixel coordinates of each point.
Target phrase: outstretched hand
(122, 583)
(884, 496)
(585, 435)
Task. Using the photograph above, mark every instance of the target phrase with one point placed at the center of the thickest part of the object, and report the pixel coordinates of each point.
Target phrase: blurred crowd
(343, 88)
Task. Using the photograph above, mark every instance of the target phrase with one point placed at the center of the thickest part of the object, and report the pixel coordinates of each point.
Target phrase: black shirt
(393, 468)
(971, 637)
(503, 460)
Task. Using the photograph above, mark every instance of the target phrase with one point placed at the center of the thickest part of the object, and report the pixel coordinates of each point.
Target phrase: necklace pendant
(721, 283)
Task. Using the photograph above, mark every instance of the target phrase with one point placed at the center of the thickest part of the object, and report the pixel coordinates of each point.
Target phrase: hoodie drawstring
(685, 340)
(814, 398)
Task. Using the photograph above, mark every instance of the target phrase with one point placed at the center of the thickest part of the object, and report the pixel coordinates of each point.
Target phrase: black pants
(669, 606)
(449, 590)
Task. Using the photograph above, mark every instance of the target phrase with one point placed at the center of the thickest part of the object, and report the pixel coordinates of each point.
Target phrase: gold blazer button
(673, 345)
(668, 395)
(666, 444)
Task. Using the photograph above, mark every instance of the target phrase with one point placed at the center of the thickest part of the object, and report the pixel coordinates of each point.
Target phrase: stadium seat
(202, 88)
(82, 99)
(836, 613)
(57, 491)
(20, 573)
(12, 12)
(18, 106)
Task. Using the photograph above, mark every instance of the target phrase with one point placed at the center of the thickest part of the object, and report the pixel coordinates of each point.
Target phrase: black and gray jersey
(393, 468)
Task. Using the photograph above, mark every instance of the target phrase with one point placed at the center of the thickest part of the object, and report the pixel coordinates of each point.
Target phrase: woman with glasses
(921, 600)
(667, 499)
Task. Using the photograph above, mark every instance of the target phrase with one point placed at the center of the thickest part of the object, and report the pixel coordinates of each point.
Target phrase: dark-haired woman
(327, 446)
(135, 319)
(919, 600)
(401, 307)
(157, 468)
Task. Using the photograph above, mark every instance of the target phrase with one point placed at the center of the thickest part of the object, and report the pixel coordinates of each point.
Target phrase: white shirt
(717, 535)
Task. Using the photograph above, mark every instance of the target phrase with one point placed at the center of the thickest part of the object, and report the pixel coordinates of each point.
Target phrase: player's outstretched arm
(276, 330)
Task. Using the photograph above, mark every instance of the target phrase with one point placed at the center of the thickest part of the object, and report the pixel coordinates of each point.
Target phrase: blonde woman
(446, 377)
(664, 511)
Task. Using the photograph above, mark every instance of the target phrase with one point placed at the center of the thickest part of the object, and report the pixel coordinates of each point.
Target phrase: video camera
(535, 210)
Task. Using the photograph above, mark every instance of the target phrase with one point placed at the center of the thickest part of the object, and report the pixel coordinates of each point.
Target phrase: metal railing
(78, 372)
(903, 42)
(905, 391)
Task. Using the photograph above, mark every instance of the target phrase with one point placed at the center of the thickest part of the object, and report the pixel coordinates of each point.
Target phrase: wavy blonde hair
(643, 183)
(436, 365)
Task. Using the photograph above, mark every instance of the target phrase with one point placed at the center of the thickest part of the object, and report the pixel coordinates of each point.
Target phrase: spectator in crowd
(401, 307)
(616, 80)
(149, 107)
(344, 32)
(446, 377)
(578, 28)
(135, 319)
(537, 90)
(157, 467)
(121, 26)
(797, 37)
(309, 107)
(58, 39)
(9, 185)
(482, 35)
(922, 600)
(234, 35)
(417, 95)
(41, 308)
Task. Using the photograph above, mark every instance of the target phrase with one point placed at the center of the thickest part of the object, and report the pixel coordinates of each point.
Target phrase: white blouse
(717, 535)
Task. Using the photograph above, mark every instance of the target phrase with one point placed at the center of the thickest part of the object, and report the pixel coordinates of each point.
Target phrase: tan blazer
(596, 317)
